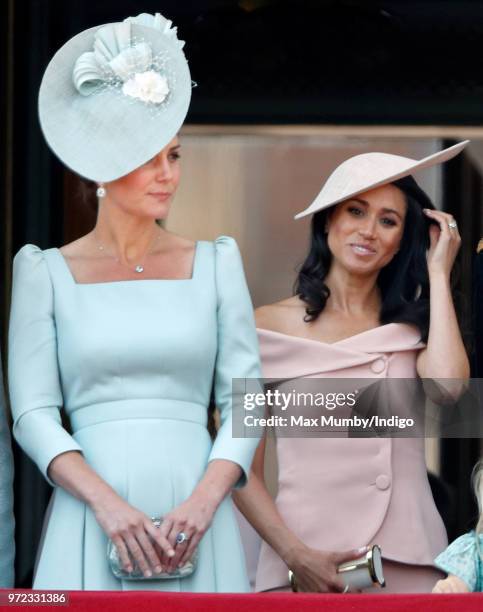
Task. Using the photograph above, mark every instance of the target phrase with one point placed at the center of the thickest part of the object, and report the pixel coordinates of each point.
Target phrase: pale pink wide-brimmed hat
(370, 170)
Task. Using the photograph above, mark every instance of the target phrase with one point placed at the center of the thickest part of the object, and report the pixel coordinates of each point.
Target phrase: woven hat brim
(431, 160)
(106, 135)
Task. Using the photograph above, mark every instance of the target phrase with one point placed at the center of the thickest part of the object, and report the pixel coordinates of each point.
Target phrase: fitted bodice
(354, 491)
(121, 340)
(128, 349)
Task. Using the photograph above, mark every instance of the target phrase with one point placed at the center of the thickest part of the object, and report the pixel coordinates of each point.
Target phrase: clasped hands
(155, 549)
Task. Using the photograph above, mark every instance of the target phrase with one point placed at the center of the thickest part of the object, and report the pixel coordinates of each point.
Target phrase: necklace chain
(139, 268)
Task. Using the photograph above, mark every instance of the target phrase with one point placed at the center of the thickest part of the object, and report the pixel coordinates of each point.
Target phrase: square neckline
(72, 278)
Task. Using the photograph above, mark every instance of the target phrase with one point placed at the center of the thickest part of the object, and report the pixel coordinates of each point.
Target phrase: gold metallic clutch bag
(358, 574)
(137, 574)
(364, 572)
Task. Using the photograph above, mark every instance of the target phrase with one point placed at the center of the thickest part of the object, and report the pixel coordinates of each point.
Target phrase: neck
(128, 237)
(352, 294)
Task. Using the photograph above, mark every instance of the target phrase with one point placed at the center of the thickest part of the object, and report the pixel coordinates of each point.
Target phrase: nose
(367, 228)
(164, 172)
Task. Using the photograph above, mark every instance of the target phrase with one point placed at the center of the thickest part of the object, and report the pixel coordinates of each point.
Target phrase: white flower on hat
(148, 86)
(116, 53)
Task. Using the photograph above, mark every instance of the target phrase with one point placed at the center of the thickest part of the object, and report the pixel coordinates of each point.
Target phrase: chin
(159, 212)
(362, 268)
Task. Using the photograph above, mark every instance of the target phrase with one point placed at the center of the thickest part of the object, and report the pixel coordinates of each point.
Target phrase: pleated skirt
(154, 464)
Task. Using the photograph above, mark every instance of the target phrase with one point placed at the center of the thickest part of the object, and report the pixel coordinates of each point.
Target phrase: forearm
(257, 505)
(445, 355)
(71, 472)
(125, 525)
(218, 480)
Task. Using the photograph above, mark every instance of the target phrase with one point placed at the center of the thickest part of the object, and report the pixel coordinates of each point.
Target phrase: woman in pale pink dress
(372, 299)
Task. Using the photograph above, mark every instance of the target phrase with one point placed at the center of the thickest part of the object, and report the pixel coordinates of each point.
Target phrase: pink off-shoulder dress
(341, 493)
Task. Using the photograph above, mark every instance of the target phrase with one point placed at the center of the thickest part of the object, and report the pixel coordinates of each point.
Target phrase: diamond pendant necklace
(139, 268)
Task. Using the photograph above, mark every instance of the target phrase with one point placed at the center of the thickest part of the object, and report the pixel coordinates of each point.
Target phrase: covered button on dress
(338, 493)
(133, 364)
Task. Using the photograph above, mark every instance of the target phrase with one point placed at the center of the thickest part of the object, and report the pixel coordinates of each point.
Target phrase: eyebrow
(386, 210)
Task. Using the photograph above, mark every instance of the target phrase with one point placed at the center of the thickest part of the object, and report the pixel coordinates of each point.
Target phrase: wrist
(439, 277)
(208, 497)
(100, 500)
(291, 552)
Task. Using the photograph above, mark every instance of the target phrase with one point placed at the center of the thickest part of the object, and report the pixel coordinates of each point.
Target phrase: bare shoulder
(280, 316)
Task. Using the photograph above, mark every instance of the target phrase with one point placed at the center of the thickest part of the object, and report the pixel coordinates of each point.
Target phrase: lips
(160, 195)
(362, 249)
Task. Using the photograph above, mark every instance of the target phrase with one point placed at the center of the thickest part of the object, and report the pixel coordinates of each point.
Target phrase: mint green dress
(132, 364)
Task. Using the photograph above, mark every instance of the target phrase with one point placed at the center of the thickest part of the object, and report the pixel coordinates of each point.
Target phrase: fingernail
(129, 568)
(171, 553)
(148, 573)
(362, 549)
(158, 569)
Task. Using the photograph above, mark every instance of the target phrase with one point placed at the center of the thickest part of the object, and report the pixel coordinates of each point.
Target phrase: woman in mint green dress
(128, 330)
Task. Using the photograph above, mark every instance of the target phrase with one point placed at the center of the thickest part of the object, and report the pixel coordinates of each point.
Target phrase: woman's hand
(444, 243)
(444, 359)
(316, 570)
(130, 529)
(451, 584)
(191, 518)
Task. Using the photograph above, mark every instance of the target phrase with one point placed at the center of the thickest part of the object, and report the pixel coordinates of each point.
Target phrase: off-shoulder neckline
(321, 342)
(194, 269)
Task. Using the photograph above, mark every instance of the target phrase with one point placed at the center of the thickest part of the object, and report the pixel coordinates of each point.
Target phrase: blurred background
(285, 90)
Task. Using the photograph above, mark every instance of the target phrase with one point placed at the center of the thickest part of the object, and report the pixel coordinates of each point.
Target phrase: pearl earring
(101, 191)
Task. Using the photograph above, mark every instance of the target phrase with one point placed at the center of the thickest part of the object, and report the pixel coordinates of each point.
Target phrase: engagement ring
(181, 537)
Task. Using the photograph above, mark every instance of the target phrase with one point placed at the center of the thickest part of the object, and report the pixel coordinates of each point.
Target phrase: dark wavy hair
(403, 282)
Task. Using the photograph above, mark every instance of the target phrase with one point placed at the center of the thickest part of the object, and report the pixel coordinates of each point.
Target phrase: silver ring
(181, 537)
(452, 224)
(346, 589)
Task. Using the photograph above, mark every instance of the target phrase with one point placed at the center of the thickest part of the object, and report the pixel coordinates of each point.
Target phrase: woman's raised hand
(444, 242)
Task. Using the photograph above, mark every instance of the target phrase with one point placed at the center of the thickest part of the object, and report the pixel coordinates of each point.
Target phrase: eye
(388, 221)
(174, 156)
(355, 210)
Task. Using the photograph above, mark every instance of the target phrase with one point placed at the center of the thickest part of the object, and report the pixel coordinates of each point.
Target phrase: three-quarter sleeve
(238, 353)
(7, 545)
(33, 373)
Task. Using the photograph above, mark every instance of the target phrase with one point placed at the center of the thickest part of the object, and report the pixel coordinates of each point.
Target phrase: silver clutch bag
(137, 574)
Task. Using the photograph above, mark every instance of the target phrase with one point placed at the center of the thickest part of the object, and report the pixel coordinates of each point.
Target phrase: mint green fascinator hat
(114, 96)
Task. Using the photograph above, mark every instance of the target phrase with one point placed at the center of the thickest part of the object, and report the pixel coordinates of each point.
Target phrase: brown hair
(87, 192)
